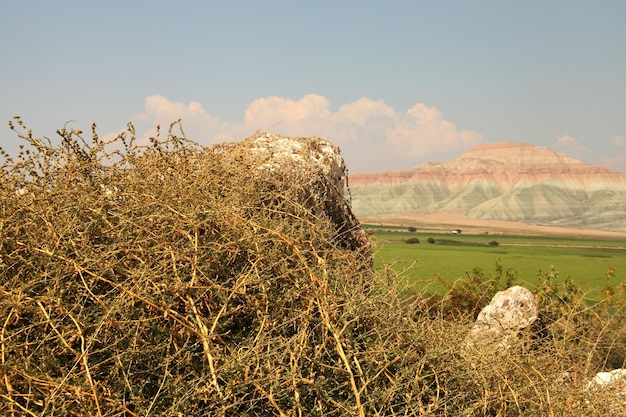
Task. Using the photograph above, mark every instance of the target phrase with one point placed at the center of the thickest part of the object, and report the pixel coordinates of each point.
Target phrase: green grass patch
(585, 261)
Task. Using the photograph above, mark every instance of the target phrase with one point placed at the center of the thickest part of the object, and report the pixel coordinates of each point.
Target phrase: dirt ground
(446, 222)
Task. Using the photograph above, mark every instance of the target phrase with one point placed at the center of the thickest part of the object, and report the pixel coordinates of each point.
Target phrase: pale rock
(310, 152)
(499, 323)
(614, 378)
(321, 172)
(613, 382)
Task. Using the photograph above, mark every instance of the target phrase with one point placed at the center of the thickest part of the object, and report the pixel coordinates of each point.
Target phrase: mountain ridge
(510, 181)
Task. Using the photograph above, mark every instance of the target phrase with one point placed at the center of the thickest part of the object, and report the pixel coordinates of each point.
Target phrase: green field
(585, 261)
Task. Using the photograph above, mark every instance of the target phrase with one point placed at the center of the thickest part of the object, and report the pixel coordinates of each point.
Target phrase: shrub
(412, 240)
(412, 229)
(174, 279)
(170, 279)
(431, 240)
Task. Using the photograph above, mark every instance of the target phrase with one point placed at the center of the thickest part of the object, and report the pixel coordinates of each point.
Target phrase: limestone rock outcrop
(313, 165)
(499, 323)
(311, 153)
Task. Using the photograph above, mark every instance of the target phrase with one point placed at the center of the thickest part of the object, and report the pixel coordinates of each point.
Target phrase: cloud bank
(372, 135)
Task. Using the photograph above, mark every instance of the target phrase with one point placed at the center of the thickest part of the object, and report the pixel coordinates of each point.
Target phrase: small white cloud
(565, 140)
(619, 141)
(617, 158)
(570, 146)
(159, 108)
(371, 134)
(195, 107)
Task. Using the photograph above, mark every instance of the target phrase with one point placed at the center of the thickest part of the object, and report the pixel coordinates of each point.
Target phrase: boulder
(614, 378)
(314, 166)
(613, 382)
(499, 323)
(287, 153)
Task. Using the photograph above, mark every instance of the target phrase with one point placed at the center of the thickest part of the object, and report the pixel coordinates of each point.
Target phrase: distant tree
(431, 240)
(412, 240)
(493, 243)
(412, 229)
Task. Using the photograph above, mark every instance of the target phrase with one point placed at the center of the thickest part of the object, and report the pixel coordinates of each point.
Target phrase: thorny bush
(168, 278)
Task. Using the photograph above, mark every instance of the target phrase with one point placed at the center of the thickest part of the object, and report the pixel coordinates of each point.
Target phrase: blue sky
(393, 83)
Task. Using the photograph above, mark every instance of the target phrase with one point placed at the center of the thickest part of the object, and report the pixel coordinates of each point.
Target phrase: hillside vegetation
(172, 279)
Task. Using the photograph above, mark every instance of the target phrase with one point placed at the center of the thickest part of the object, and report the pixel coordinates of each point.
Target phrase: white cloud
(565, 140)
(614, 159)
(619, 141)
(570, 146)
(271, 111)
(422, 131)
(365, 110)
(372, 135)
(197, 123)
(617, 158)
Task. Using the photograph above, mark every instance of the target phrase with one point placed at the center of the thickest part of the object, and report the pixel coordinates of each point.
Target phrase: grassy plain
(585, 261)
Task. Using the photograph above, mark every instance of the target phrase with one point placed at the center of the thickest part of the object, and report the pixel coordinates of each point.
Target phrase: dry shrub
(173, 279)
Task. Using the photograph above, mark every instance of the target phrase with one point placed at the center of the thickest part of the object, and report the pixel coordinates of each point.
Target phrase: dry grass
(174, 280)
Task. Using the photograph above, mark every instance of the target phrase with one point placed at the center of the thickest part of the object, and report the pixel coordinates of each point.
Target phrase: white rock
(614, 382)
(606, 379)
(499, 323)
(307, 152)
(317, 166)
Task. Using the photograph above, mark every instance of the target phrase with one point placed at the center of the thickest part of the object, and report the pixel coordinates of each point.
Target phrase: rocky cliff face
(502, 181)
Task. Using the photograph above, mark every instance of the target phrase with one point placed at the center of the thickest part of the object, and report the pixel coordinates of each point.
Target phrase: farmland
(453, 256)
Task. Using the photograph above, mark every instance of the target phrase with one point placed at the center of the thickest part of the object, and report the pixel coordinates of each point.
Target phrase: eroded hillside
(504, 181)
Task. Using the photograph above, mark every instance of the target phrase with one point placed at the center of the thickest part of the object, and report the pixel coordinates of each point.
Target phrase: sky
(392, 83)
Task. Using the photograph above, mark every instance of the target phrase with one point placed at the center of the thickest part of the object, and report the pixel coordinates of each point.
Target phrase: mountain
(509, 181)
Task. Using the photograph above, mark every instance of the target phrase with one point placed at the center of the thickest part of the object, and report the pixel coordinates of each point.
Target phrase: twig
(85, 360)
(206, 345)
